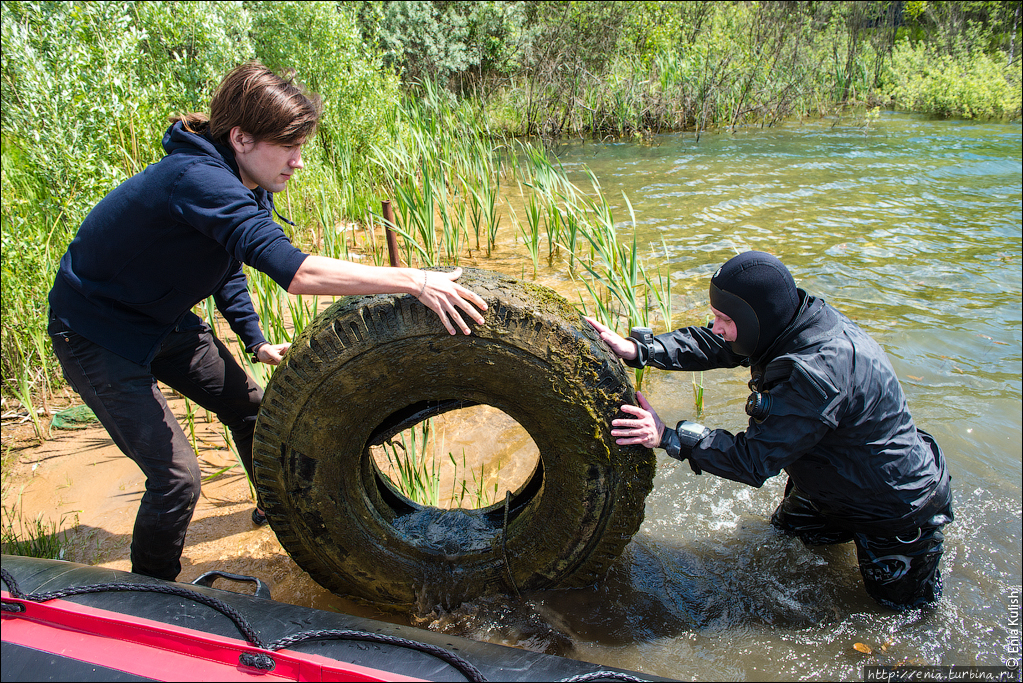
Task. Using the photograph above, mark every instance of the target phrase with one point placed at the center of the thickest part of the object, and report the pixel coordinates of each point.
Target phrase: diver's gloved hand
(679, 442)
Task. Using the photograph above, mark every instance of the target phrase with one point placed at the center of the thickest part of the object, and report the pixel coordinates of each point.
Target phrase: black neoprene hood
(758, 293)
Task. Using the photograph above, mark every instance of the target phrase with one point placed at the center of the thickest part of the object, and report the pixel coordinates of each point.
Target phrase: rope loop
(257, 660)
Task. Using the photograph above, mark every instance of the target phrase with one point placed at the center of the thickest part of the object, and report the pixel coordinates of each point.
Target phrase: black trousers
(128, 401)
(899, 572)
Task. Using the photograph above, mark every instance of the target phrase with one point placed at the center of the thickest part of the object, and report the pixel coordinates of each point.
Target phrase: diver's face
(723, 326)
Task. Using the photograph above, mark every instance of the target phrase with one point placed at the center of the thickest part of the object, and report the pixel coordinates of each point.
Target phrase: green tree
(321, 42)
(461, 43)
(86, 91)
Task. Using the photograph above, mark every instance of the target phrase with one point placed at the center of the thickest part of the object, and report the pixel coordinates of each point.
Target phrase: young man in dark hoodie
(826, 407)
(166, 239)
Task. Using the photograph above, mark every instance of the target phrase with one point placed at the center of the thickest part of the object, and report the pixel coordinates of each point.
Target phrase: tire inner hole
(455, 455)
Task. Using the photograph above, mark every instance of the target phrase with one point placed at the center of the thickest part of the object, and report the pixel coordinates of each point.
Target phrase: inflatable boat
(69, 622)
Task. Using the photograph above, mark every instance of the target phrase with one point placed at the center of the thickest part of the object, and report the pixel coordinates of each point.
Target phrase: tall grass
(35, 537)
(435, 157)
(621, 288)
(702, 66)
(698, 389)
(123, 67)
(475, 494)
(418, 477)
(442, 176)
(87, 89)
(415, 471)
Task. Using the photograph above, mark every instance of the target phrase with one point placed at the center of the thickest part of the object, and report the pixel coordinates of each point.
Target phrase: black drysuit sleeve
(793, 428)
(791, 431)
(691, 348)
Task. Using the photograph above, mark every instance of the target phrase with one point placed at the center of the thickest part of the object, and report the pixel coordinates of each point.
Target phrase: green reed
(662, 292)
(616, 266)
(24, 384)
(330, 240)
(486, 198)
(453, 229)
(698, 394)
(190, 424)
(237, 462)
(531, 232)
(36, 537)
(415, 204)
(473, 211)
(418, 480)
(621, 288)
(618, 272)
(478, 493)
(441, 176)
(417, 473)
(301, 312)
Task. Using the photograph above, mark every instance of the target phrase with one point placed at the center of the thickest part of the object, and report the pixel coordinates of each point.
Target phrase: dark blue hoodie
(166, 239)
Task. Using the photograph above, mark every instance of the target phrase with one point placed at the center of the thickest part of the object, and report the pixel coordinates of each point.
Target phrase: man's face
(724, 327)
(264, 164)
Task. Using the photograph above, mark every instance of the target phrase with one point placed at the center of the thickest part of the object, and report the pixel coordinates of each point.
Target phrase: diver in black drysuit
(827, 409)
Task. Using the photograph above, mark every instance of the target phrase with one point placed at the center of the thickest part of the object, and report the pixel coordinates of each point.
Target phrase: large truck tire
(371, 366)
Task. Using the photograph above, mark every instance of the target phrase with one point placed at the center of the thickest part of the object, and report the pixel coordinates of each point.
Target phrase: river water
(911, 227)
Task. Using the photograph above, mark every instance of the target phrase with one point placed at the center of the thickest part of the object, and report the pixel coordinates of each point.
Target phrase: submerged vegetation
(446, 109)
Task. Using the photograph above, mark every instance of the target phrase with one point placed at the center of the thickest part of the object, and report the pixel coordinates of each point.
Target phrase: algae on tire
(371, 366)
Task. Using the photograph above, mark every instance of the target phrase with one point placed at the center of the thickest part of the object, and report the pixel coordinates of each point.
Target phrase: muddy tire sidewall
(366, 358)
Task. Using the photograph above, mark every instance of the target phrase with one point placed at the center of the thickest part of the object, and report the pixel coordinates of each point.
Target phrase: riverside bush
(686, 66)
(968, 85)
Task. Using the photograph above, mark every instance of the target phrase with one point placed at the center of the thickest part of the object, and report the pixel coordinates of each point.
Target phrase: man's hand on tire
(444, 296)
(644, 427)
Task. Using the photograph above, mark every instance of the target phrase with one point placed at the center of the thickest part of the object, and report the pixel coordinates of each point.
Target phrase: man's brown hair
(268, 107)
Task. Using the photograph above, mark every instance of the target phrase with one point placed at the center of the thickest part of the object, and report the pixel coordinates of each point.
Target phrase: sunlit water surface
(912, 228)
